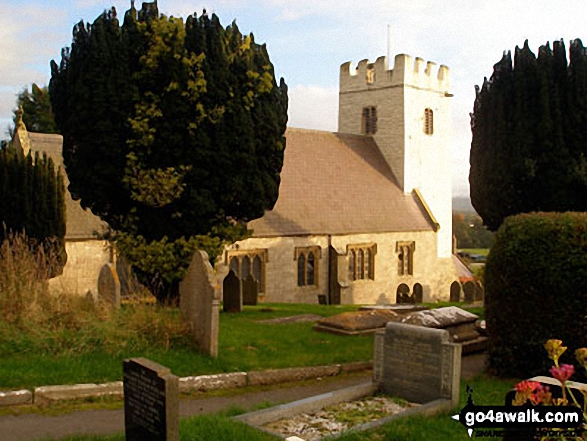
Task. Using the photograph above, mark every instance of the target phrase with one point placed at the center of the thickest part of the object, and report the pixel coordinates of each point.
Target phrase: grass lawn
(244, 345)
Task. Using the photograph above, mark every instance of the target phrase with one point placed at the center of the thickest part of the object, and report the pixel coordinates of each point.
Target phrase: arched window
(405, 257)
(249, 262)
(246, 267)
(308, 259)
(428, 121)
(369, 120)
(310, 269)
(352, 264)
(234, 266)
(301, 270)
(258, 271)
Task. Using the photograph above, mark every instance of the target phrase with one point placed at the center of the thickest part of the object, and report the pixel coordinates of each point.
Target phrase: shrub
(536, 289)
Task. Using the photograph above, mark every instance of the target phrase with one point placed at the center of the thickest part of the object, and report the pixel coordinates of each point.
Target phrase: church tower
(407, 112)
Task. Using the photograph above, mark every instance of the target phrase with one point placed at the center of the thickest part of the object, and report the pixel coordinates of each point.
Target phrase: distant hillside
(462, 204)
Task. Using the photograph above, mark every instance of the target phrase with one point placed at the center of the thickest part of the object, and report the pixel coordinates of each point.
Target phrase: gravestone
(231, 293)
(455, 292)
(249, 291)
(419, 364)
(469, 289)
(199, 303)
(418, 293)
(151, 401)
(109, 285)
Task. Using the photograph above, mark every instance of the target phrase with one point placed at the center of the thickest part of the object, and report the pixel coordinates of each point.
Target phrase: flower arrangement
(537, 394)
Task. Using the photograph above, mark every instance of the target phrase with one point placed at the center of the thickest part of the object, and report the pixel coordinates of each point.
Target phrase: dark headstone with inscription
(231, 293)
(151, 401)
(420, 364)
(249, 291)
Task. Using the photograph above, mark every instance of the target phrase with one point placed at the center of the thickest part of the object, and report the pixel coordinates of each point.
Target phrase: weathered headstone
(418, 293)
(151, 401)
(231, 293)
(455, 292)
(420, 364)
(109, 285)
(199, 303)
(249, 291)
(469, 289)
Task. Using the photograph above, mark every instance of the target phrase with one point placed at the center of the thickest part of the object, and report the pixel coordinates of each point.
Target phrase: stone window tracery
(249, 262)
(307, 263)
(405, 256)
(361, 261)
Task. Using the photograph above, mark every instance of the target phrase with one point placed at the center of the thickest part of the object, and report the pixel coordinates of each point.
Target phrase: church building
(364, 215)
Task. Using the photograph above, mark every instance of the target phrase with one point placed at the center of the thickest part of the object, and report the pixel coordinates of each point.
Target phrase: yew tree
(529, 124)
(173, 134)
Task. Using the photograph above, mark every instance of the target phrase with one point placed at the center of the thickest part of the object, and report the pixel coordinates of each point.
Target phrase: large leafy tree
(173, 133)
(37, 115)
(530, 134)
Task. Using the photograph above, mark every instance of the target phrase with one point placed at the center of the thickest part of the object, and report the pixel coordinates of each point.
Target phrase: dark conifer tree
(173, 134)
(529, 137)
(33, 203)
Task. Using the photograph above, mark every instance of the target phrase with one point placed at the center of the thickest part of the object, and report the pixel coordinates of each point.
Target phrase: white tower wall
(419, 160)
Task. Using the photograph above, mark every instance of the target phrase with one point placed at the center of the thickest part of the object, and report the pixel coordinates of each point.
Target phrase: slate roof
(333, 183)
(80, 224)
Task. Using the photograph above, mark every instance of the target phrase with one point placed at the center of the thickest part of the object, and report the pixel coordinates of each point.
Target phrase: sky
(308, 40)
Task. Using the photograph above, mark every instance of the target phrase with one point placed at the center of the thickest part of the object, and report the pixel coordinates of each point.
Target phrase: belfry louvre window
(362, 261)
(428, 121)
(405, 257)
(369, 120)
(252, 262)
(307, 260)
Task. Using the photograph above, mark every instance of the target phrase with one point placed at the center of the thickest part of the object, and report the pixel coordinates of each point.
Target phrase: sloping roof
(464, 273)
(80, 223)
(333, 183)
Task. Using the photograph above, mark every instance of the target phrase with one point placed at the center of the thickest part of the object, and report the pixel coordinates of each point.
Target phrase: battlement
(408, 72)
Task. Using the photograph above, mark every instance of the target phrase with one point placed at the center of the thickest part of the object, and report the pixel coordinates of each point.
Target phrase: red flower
(527, 386)
(562, 373)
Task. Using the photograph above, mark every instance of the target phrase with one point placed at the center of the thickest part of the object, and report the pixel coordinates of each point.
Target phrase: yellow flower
(581, 356)
(554, 349)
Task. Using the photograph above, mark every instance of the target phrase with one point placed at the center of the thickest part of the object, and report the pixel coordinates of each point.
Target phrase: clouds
(308, 40)
(313, 107)
(29, 37)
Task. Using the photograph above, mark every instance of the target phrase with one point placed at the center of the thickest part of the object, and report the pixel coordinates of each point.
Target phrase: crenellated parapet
(406, 71)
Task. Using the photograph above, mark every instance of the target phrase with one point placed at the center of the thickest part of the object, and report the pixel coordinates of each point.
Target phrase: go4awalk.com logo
(495, 421)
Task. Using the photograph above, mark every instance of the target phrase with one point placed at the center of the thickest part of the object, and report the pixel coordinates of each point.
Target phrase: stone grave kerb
(418, 364)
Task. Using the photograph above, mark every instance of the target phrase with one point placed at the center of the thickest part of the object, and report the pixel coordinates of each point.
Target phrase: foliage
(535, 280)
(529, 126)
(470, 232)
(173, 132)
(535, 393)
(37, 113)
(33, 202)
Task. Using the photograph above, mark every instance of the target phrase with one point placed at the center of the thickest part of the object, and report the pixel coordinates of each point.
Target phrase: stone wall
(400, 96)
(85, 259)
(434, 274)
